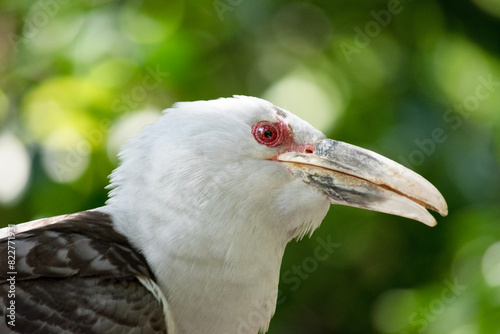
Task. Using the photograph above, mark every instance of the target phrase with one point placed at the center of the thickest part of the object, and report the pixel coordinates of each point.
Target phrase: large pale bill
(354, 176)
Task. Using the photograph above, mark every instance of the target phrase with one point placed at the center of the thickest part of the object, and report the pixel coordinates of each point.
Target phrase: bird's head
(245, 160)
(212, 192)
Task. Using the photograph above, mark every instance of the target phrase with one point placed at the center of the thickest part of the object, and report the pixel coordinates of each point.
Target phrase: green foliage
(417, 81)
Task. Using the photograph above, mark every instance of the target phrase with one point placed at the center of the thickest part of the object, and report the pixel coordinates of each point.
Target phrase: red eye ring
(267, 133)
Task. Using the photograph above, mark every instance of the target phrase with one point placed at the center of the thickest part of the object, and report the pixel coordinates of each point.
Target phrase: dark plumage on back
(78, 275)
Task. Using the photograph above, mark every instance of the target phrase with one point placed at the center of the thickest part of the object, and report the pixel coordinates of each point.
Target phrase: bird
(191, 238)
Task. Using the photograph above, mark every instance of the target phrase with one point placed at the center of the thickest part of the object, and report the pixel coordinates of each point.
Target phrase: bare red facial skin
(279, 135)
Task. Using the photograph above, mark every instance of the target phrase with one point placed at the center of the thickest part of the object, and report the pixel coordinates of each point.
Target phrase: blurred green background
(417, 81)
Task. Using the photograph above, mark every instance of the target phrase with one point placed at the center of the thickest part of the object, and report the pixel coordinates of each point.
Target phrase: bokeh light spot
(127, 127)
(490, 6)
(63, 102)
(491, 265)
(113, 72)
(300, 93)
(66, 155)
(150, 22)
(469, 77)
(15, 168)
(142, 28)
(59, 31)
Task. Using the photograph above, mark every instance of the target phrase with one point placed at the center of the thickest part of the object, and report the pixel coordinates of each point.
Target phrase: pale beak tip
(444, 212)
(432, 223)
(442, 206)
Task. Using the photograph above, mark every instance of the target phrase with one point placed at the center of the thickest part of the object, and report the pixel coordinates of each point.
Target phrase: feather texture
(79, 275)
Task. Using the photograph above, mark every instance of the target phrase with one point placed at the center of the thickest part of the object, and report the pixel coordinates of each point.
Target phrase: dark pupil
(268, 134)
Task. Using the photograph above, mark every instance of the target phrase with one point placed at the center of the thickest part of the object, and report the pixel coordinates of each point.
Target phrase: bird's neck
(230, 288)
(211, 284)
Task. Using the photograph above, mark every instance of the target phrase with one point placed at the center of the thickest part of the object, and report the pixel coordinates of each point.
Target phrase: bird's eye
(267, 133)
